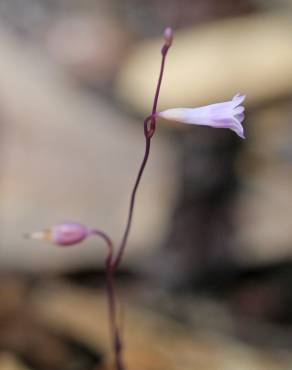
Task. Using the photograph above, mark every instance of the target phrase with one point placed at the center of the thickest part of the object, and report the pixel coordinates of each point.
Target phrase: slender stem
(148, 132)
(116, 337)
(111, 262)
(132, 203)
(164, 51)
(115, 332)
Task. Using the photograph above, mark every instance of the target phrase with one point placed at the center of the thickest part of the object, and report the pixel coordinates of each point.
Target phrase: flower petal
(240, 117)
(238, 110)
(228, 114)
(238, 99)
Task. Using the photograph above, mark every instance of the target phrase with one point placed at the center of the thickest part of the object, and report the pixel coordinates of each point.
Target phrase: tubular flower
(228, 114)
(64, 234)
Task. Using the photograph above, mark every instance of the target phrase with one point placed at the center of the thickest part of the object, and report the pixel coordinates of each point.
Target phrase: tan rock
(251, 55)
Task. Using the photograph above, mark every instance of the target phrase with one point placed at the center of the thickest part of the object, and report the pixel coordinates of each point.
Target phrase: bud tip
(168, 35)
(39, 235)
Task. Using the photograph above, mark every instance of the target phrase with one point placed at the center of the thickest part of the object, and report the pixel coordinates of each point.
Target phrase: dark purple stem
(164, 51)
(111, 262)
(133, 196)
(149, 131)
(115, 332)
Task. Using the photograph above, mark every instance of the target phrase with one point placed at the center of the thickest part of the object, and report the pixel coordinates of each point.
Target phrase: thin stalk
(112, 263)
(122, 246)
(149, 131)
(115, 332)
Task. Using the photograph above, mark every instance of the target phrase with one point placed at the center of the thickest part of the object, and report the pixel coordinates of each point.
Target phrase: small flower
(228, 114)
(64, 234)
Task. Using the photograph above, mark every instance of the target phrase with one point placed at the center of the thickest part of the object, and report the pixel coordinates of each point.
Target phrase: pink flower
(64, 234)
(228, 114)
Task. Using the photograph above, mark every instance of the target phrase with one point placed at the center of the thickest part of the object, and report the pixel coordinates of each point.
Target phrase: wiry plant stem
(149, 131)
(113, 263)
(115, 332)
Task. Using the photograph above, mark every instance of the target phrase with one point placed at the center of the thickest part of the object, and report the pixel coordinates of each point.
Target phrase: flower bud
(64, 234)
(168, 36)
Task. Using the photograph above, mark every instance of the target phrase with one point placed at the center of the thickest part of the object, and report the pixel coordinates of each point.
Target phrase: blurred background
(206, 279)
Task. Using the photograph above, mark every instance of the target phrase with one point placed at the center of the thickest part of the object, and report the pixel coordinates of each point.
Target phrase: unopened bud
(64, 234)
(168, 36)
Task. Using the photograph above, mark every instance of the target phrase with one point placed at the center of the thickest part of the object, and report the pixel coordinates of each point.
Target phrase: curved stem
(115, 332)
(132, 203)
(111, 262)
(148, 132)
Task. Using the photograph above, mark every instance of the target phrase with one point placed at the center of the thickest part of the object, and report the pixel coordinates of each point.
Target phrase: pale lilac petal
(238, 99)
(232, 124)
(238, 110)
(226, 122)
(239, 131)
(228, 114)
(240, 117)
